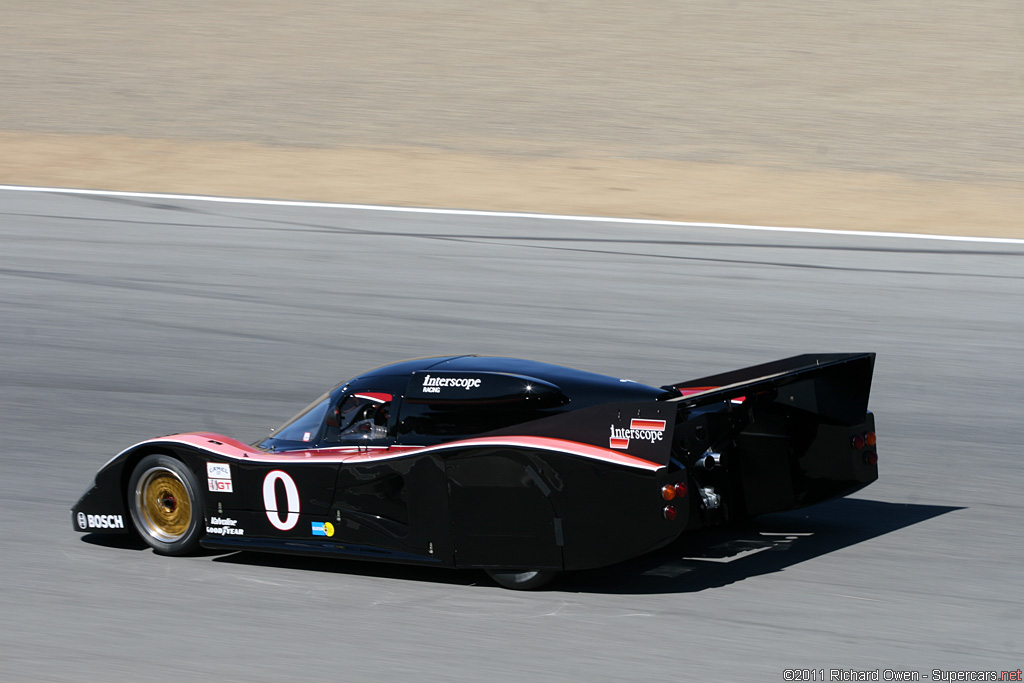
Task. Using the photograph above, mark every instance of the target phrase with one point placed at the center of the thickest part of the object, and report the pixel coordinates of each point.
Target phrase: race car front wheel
(522, 581)
(165, 506)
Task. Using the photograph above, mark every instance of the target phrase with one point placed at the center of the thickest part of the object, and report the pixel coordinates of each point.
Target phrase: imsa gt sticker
(651, 431)
(219, 477)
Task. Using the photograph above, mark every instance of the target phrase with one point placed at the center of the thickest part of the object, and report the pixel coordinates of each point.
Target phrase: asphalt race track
(126, 318)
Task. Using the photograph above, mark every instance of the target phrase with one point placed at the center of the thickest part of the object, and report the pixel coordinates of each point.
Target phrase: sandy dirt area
(901, 116)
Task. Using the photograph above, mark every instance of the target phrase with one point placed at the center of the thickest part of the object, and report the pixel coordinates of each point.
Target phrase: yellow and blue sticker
(322, 528)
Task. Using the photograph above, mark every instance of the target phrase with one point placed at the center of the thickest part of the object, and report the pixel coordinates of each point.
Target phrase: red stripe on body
(236, 450)
(686, 391)
(637, 423)
(374, 396)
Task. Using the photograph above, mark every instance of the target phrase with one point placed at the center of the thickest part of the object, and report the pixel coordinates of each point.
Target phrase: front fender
(103, 507)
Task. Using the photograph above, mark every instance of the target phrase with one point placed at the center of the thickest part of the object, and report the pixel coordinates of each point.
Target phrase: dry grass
(897, 116)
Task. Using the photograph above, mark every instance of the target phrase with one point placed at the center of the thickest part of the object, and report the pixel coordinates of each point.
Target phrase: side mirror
(332, 416)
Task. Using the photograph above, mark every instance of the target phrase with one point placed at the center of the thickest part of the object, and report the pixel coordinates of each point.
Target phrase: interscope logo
(651, 431)
(433, 385)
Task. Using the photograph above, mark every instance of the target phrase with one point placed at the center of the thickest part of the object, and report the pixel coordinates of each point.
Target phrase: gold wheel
(163, 504)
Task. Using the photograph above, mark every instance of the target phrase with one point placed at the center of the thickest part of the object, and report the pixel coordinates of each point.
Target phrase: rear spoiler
(832, 385)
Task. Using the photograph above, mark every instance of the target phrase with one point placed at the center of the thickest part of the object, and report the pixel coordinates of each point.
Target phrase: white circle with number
(291, 491)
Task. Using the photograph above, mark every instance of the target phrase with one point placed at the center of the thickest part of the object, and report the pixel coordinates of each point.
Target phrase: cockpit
(359, 416)
(337, 418)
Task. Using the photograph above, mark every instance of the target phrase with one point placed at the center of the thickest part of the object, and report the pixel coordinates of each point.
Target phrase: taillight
(673, 491)
(858, 442)
(871, 458)
(870, 439)
(669, 512)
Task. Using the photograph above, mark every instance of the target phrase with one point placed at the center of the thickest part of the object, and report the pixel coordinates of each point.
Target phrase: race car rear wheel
(522, 581)
(165, 506)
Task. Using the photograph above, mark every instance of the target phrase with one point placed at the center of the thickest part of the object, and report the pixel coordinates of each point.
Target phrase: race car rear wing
(834, 386)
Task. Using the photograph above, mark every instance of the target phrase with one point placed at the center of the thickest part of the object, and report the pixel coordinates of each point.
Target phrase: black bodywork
(499, 463)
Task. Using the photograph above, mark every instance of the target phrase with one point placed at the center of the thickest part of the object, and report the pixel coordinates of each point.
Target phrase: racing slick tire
(524, 580)
(163, 498)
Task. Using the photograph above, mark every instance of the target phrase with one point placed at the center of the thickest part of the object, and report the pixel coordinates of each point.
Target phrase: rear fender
(776, 436)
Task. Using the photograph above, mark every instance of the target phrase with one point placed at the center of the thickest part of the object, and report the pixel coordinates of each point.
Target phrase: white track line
(512, 214)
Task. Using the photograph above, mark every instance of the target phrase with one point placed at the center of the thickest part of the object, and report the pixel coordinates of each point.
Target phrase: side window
(438, 421)
(359, 417)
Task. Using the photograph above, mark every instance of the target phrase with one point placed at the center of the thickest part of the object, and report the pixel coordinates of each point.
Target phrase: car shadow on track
(697, 561)
(384, 570)
(122, 541)
(771, 543)
(133, 542)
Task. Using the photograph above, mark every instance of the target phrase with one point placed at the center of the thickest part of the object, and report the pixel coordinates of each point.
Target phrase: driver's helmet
(364, 417)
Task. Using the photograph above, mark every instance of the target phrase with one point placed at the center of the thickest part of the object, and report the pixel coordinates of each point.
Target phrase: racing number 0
(291, 491)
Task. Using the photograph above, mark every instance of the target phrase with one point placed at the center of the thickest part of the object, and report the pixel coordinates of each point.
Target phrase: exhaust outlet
(709, 461)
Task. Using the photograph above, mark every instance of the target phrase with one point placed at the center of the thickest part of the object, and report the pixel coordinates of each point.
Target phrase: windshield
(304, 427)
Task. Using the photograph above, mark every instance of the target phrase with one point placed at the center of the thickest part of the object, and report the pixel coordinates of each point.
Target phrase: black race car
(521, 468)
